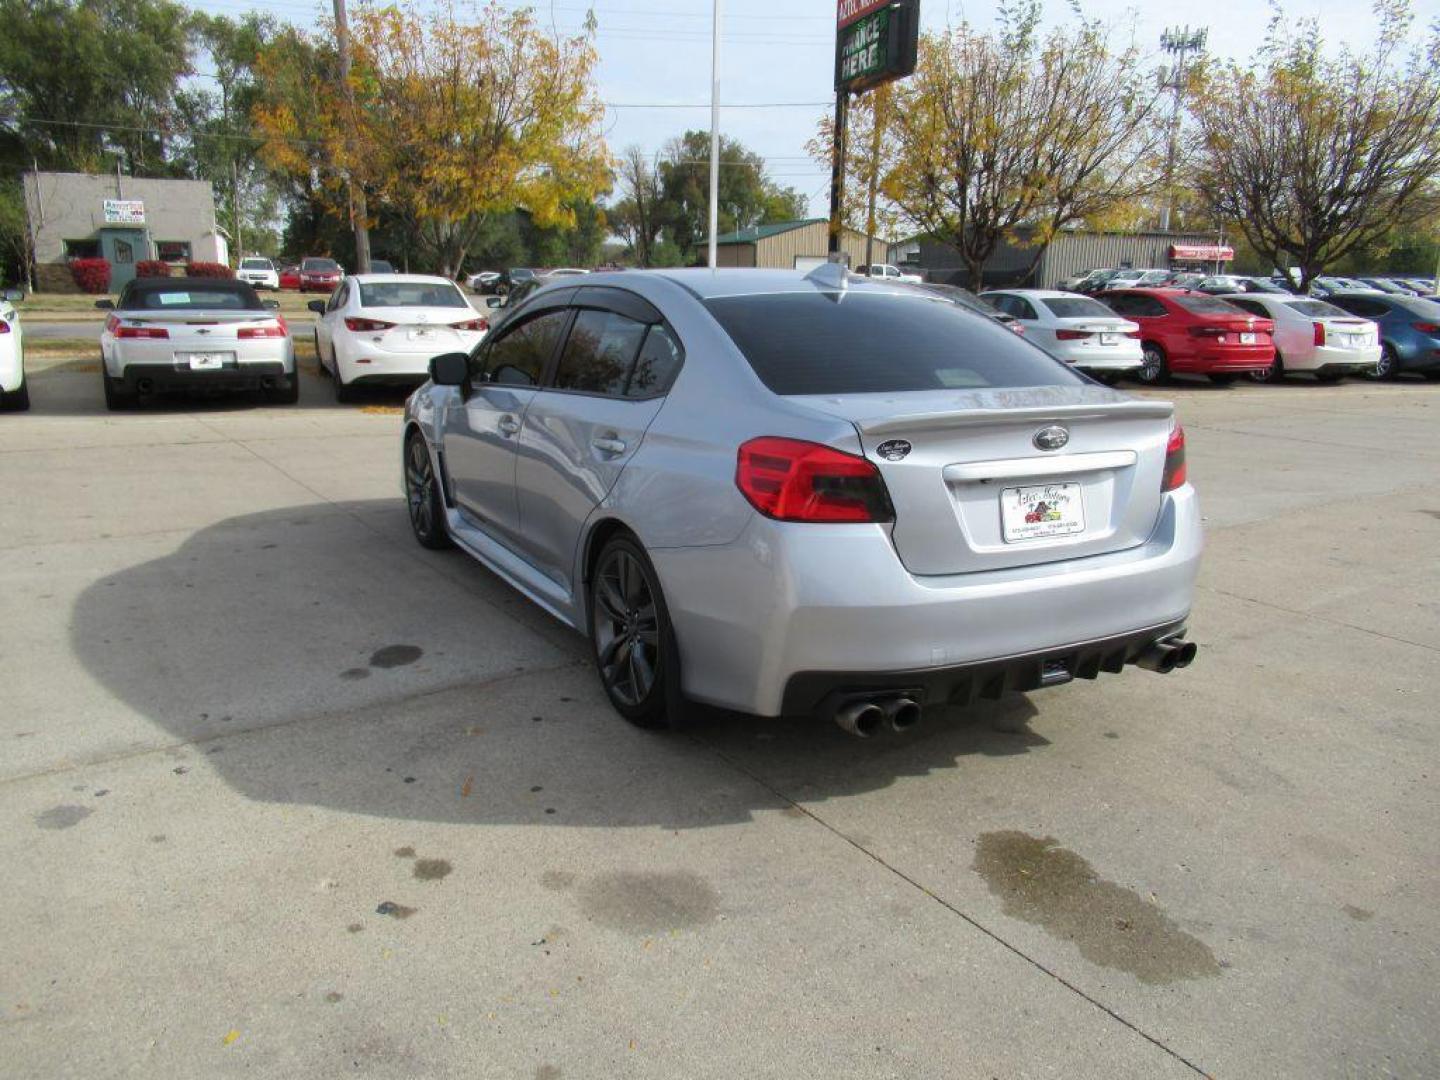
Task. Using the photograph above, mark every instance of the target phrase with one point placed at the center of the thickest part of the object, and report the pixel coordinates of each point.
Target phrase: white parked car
(1075, 329)
(261, 273)
(383, 329)
(485, 279)
(889, 273)
(14, 393)
(194, 334)
(1313, 336)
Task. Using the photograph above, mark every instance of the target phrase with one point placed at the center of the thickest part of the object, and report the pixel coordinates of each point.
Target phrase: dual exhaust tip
(863, 718)
(1166, 656)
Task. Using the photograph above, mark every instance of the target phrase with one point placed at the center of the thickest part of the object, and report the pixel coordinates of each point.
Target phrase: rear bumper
(822, 606)
(1217, 361)
(251, 376)
(363, 361)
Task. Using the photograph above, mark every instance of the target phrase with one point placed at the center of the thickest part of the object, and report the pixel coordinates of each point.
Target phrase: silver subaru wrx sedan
(792, 494)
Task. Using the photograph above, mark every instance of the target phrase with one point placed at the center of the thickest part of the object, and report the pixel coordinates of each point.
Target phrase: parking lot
(287, 795)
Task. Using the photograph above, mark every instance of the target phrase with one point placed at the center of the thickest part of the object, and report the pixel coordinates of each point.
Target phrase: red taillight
(268, 330)
(1132, 333)
(1208, 331)
(1319, 333)
(478, 325)
(4, 327)
(790, 480)
(367, 326)
(1427, 327)
(1071, 335)
(1174, 460)
(150, 332)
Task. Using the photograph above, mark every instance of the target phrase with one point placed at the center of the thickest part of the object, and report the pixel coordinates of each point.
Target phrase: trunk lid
(422, 330)
(968, 449)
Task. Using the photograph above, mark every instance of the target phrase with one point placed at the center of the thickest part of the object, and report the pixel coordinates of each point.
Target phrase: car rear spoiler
(1135, 409)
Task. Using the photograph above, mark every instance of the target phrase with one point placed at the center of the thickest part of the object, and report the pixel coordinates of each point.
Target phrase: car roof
(1039, 294)
(391, 279)
(707, 284)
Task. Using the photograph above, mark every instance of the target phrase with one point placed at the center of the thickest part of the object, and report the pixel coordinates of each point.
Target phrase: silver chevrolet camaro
(790, 494)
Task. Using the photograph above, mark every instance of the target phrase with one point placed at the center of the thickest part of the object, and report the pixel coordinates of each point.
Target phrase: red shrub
(92, 275)
(152, 268)
(207, 269)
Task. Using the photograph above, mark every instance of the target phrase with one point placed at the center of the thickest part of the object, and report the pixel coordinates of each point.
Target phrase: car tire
(1221, 378)
(1156, 368)
(117, 397)
(288, 394)
(319, 359)
(17, 400)
(1273, 374)
(1388, 366)
(344, 392)
(423, 500)
(629, 622)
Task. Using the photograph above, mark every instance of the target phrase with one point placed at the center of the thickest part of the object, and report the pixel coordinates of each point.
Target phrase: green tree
(84, 79)
(747, 196)
(1316, 154)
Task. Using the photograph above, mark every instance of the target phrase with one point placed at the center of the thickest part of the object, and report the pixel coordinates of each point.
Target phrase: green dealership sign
(878, 44)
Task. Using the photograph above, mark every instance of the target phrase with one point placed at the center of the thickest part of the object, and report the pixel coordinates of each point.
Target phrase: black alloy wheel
(635, 653)
(422, 497)
(1389, 364)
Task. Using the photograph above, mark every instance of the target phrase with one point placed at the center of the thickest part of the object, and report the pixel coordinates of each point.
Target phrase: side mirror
(450, 369)
(105, 305)
(273, 305)
(317, 306)
(494, 302)
(14, 295)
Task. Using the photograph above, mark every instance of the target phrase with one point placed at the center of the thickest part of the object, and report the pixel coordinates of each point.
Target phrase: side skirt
(515, 571)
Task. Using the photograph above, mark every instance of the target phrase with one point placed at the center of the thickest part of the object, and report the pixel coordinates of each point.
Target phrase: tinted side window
(519, 357)
(1001, 302)
(337, 298)
(1121, 305)
(1024, 309)
(660, 359)
(1149, 306)
(862, 342)
(599, 353)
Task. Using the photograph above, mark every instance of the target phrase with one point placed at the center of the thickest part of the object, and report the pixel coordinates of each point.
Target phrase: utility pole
(837, 172)
(1179, 43)
(359, 214)
(714, 131)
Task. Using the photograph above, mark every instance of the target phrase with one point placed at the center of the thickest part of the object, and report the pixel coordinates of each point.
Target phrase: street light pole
(714, 132)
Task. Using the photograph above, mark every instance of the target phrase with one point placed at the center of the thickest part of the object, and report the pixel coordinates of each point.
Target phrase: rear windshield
(320, 264)
(1077, 307)
(254, 264)
(191, 298)
(859, 343)
(410, 294)
(1317, 309)
(1207, 305)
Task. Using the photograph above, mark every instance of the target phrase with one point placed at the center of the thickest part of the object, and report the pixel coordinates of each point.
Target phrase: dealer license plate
(1032, 513)
(421, 335)
(1109, 339)
(206, 361)
(1247, 339)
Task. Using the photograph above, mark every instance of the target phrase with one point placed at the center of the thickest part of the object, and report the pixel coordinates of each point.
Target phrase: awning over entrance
(1202, 252)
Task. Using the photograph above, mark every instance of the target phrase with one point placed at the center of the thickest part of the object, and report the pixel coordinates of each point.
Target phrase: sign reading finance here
(875, 42)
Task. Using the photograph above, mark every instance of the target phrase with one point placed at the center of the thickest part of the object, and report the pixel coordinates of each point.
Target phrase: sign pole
(837, 172)
(714, 132)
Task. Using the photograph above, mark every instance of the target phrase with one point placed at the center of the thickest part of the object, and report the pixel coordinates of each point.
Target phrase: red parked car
(1190, 332)
(289, 277)
(320, 275)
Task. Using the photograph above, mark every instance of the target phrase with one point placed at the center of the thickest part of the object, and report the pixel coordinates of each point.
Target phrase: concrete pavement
(289, 795)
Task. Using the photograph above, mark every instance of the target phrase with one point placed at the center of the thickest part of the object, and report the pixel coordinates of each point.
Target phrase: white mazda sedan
(1075, 329)
(382, 329)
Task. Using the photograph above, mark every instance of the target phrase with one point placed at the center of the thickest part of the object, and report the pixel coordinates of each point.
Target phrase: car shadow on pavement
(315, 656)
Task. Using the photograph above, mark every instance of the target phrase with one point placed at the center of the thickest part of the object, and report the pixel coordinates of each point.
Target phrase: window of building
(82, 249)
(175, 251)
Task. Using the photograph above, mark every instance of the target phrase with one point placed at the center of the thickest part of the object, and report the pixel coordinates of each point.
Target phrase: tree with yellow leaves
(453, 122)
(1316, 155)
(1015, 134)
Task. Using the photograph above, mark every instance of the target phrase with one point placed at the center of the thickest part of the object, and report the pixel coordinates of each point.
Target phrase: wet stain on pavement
(334, 997)
(355, 927)
(1112, 734)
(1111, 925)
(393, 656)
(555, 880)
(62, 817)
(649, 902)
(354, 673)
(404, 852)
(1359, 914)
(548, 1072)
(431, 869)
(1433, 513)
(394, 910)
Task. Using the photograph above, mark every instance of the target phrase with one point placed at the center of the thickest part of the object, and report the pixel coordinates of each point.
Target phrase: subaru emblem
(1051, 438)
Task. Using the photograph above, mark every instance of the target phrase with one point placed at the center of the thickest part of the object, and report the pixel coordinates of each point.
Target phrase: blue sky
(656, 53)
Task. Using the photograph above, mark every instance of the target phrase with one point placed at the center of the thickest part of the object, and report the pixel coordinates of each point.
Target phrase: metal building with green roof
(790, 245)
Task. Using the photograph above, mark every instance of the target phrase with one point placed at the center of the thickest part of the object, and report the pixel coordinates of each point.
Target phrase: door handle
(508, 425)
(608, 446)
